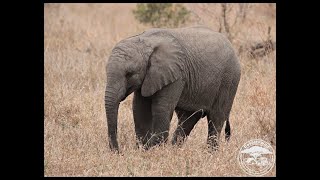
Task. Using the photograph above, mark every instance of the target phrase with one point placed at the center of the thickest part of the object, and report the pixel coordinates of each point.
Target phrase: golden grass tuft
(78, 40)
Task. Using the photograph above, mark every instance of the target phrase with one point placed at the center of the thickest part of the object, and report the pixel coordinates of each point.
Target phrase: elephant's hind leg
(229, 102)
(221, 111)
(142, 116)
(215, 124)
(218, 114)
(186, 122)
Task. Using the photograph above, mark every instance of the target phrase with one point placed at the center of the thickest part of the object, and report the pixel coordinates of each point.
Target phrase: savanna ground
(78, 39)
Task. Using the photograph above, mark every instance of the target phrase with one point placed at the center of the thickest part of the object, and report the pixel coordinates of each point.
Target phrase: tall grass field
(78, 39)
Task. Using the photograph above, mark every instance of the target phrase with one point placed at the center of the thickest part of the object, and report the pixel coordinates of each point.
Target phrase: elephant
(184, 70)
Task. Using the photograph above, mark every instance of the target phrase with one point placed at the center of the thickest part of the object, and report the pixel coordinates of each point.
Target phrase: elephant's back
(204, 44)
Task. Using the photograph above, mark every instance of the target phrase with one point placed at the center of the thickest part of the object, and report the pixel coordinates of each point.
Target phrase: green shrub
(161, 14)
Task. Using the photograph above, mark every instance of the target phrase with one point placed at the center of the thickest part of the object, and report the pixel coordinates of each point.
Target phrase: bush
(161, 14)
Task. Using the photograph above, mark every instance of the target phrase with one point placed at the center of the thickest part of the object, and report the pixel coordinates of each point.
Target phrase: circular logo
(256, 157)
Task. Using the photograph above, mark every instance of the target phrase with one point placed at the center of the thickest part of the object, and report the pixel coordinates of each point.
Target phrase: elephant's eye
(129, 74)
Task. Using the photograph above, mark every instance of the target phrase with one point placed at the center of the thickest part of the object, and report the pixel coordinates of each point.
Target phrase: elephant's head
(139, 63)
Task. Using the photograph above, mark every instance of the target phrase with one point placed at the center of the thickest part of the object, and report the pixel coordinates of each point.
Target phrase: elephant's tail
(227, 130)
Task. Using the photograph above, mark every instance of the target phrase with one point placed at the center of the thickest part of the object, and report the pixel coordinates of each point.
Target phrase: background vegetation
(161, 14)
(78, 39)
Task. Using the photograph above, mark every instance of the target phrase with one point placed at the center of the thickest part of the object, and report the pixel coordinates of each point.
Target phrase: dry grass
(78, 40)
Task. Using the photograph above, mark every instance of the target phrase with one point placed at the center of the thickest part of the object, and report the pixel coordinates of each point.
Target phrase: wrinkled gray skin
(181, 70)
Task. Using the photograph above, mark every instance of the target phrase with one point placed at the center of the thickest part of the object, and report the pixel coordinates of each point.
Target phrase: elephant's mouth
(129, 91)
(125, 96)
(123, 99)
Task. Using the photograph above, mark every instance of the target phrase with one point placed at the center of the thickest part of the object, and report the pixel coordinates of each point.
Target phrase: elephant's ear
(164, 67)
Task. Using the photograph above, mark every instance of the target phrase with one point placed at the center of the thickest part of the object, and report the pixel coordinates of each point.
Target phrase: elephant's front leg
(142, 116)
(186, 122)
(163, 105)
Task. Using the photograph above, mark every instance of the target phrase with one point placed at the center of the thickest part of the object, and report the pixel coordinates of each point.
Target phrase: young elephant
(182, 70)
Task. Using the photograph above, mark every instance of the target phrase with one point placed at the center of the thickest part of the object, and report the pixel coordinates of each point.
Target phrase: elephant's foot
(156, 139)
(178, 138)
(227, 130)
(178, 141)
(213, 143)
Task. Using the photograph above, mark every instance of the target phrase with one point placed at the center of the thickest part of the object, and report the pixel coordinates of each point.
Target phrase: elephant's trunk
(113, 95)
